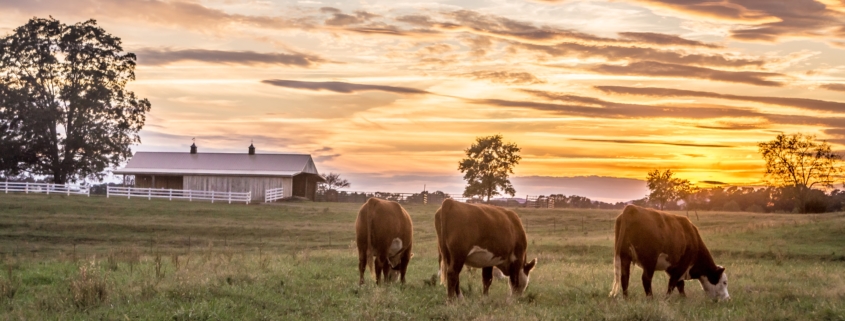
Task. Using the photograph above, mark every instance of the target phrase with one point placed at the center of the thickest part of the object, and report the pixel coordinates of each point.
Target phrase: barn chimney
(251, 149)
(193, 148)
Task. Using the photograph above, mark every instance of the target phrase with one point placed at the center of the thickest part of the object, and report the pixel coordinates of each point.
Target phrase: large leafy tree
(64, 108)
(665, 188)
(488, 165)
(800, 162)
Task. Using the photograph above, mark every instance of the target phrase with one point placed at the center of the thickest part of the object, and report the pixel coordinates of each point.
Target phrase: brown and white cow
(484, 237)
(659, 241)
(384, 234)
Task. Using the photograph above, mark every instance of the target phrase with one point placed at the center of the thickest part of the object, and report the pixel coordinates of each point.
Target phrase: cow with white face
(384, 235)
(481, 236)
(659, 241)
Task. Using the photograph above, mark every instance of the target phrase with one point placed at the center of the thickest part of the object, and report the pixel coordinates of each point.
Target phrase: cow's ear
(412, 255)
(716, 275)
(719, 270)
(530, 266)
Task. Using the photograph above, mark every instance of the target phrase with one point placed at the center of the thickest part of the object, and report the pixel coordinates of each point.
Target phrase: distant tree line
(800, 174)
(575, 201)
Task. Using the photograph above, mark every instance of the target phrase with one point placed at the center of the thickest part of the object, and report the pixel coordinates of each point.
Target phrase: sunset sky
(389, 93)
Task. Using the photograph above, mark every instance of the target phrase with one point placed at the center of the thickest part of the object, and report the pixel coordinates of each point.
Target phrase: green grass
(78, 258)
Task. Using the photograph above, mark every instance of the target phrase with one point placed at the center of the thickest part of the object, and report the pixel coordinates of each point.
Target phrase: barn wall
(305, 185)
(239, 184)
(143, 181)
(158, 181)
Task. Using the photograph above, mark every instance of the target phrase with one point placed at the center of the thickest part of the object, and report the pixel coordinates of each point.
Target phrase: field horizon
(97, 258)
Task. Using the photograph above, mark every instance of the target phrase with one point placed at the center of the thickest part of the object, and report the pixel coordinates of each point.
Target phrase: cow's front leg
(681, 288)
(647, 276)
(487, 278)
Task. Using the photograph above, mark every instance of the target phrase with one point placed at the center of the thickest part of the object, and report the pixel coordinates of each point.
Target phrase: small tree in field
(487, 167)
(333, 182)
(665, 188)
(800, 162)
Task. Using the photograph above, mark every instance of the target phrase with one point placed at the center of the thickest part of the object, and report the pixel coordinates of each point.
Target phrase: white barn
(225, 172)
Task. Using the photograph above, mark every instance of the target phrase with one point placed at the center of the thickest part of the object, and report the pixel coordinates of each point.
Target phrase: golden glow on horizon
(395, 89)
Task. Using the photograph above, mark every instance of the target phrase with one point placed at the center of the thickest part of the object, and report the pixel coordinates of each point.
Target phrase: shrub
(89, 288)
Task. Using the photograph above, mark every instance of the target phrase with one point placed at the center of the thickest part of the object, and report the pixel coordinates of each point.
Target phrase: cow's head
(522, 278)
(393, 274)
(715, 284)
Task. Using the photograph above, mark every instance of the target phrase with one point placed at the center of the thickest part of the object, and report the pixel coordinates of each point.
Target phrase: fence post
(7, 187)
(190, 196)
(170, 195)
(108, 191)
(230, 197)
(149, 193)
(26, 187)
(129, 193)
(212, 197)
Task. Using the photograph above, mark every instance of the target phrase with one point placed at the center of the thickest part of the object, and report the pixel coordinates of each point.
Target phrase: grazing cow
(384, 234)
(481, 236)
(659, 241)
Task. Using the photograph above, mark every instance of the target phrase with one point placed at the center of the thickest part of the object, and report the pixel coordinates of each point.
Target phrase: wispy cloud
(176, 13)
(341, 87)
(505, 77)
(664, 39)
(835, 87)
(651, 142)
(626, 53)
(772, 20)
(157, 57)
(657, 69)
(803, 103)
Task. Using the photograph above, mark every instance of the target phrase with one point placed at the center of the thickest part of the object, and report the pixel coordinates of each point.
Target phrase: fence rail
(45, 188)
(171, 194)
(410, 198)
(273, 194)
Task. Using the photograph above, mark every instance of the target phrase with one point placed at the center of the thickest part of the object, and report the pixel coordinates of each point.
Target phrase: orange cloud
(803, 103)
(657, 69)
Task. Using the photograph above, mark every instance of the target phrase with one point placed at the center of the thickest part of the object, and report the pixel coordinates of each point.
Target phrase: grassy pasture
(95, 258)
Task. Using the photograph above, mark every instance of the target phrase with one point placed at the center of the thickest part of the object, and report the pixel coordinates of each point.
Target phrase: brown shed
(225, 172)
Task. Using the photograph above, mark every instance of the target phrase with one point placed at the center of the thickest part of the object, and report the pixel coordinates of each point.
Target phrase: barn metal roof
(172, 163)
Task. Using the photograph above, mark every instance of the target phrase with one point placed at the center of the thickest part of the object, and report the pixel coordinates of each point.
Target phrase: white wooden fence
(46, 188)
(273, 194)
(171, 194)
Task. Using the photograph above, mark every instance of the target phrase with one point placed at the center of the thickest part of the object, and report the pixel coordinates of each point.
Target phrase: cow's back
(463, 226)
(388, 221)
(653, 232)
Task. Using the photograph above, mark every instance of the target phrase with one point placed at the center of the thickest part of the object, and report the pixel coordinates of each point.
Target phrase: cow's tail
(371, 210)
(617, 260)
(445, 208)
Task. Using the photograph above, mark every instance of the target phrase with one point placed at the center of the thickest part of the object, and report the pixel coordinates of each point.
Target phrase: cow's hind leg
(362, 265)
(487, 278)
(453, 279)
